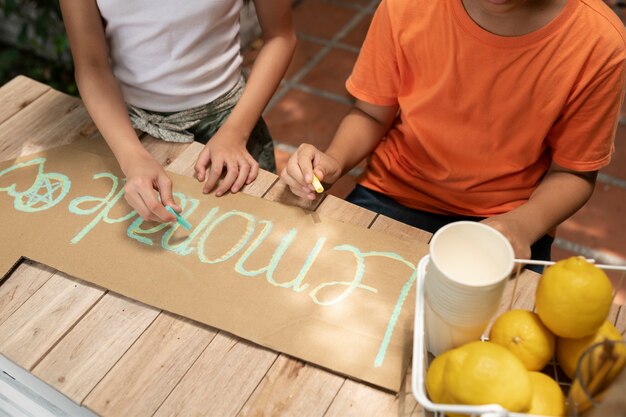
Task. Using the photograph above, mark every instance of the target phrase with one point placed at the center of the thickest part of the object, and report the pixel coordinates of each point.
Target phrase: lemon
(523, 333)
(568, 351)
(486, 373)
(434, 378)
(547, 396)
(573, 298)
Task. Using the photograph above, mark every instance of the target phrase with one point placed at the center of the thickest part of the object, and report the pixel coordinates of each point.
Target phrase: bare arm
(561, 193)
(279, 42)
(102, 96)
(98, 87)
(228, 146)
(357, 136)
(359, 133)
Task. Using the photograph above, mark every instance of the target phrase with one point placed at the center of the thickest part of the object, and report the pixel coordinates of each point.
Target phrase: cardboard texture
(326, 292)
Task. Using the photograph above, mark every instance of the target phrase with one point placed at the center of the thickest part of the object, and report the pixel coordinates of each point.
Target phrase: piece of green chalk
(179, 219)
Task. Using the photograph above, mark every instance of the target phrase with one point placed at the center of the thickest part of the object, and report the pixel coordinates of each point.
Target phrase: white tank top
(173, 55)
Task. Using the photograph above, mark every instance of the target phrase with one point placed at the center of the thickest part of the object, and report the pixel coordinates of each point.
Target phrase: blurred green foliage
(38, 47)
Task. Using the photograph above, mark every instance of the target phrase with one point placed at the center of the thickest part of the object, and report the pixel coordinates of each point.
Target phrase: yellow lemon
(523, 333)
(547, 396)
(573, 298)
(486, 373)
(568, 351)
(434, 378)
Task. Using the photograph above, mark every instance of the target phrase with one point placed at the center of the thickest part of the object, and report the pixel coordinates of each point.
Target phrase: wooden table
(118, 357)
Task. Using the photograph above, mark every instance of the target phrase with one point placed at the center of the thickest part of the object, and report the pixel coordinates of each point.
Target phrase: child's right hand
(307, 160)
(144, 176)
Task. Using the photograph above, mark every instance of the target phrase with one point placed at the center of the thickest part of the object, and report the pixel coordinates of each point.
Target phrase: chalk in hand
(179, 219)
(317, 184)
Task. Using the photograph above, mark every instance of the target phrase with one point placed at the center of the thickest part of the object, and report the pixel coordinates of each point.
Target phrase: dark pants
(431, 222)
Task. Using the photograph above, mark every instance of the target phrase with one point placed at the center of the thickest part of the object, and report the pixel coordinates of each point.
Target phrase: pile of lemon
(573, 299)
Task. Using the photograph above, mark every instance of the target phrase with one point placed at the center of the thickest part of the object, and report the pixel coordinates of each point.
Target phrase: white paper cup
(442, 336)
(465, 278)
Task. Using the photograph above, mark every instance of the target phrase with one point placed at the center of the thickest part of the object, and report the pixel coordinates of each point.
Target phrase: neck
(513, 17)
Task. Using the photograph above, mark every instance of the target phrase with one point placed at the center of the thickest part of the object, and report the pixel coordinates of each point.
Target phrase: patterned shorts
(201, 123)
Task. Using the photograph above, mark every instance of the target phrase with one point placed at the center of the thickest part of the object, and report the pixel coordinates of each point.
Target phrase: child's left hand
(223, 152)
(514, 231)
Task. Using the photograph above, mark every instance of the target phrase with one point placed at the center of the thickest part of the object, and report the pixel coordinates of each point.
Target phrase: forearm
(104, 101)
(356, 137)
(267, 71)
(97, 85)
(560, 194)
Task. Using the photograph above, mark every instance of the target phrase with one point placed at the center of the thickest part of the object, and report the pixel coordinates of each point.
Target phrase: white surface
(471, 254)
(464, 282)
(24, 395)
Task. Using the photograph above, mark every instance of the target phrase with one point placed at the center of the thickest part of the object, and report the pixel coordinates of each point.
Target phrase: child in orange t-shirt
(500, 111)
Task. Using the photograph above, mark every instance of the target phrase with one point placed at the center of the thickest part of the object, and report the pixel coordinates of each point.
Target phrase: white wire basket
(420, 365)
(420, 362)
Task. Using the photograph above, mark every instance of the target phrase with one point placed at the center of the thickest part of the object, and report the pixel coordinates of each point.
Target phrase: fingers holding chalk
(317, 184)
(179, 219)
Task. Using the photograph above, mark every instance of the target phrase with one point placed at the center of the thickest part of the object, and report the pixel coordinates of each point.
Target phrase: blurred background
(312, 100)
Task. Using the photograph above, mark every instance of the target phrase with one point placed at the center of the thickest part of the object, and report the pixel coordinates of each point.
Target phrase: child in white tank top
(173, 70)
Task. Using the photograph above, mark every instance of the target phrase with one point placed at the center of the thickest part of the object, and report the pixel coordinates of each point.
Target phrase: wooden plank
(284, 392)
(613, 313)
(405, 402)
(292, 387)
(164, 152)
(29, 333)
(236, 358)
(620, 320)
(80, 360)
(17, 94)
(280, 192)
(27, 278)
(400, 230)
(360, 400)
(186, 159)
(115, 324)
(355, 399)
(511, 294)
(519, 293)
(220, 381)
(139, 382)
(263, 183)
(338, 209)
(54, 119)
(524, 295)
(153, 366)
(245, 357)
(418, 411)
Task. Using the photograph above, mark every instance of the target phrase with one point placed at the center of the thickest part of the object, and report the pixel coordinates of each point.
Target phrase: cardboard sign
(326, 292)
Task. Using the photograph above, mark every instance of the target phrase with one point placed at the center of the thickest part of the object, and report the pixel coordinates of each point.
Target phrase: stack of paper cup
(465, 278)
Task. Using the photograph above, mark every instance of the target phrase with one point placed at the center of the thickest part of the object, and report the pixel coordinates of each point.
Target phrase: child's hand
(307, 160)
(514, 231)
(144, 176)
(222, 152)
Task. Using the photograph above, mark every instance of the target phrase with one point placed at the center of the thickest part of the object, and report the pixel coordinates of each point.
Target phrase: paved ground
(312, 101)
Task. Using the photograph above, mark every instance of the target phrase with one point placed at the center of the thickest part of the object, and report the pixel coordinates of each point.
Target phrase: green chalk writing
(48, 189)
(252, 237)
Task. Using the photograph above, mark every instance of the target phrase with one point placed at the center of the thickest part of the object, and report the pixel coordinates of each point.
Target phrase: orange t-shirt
(482, 116)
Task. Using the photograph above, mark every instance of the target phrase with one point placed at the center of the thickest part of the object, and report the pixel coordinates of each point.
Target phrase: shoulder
(608, 29)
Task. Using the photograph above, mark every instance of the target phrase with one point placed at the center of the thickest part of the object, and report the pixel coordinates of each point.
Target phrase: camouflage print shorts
(201, 123)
